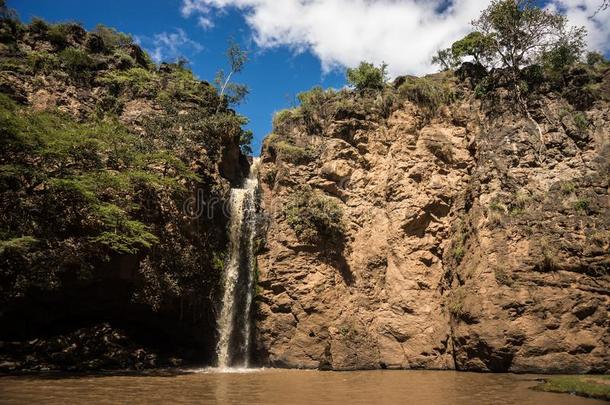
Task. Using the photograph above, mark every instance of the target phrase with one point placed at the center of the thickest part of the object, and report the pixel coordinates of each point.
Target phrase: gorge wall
(470, 240)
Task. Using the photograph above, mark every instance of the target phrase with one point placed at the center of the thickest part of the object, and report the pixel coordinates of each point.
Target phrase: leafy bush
(59, 34)
(282, 118)
(43, 62)
(427, 93)
(76, 62)
(595, 58)
(65, 158)
(38, 26)
(315, 218)
(270, 176)
(455, 301)
(122, 234)
(112, 38)
(519, 203)
(123, 60)
(581, 205)
(294, 154)
(549, 257)
(581, 122)
(367, 77)
(18, 244)
(563, 54)
(136, 81)
(483, 87)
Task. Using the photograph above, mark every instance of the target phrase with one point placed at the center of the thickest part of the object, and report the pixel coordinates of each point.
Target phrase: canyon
(429, 224)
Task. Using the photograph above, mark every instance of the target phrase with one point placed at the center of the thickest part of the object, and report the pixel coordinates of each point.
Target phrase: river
(274, 386)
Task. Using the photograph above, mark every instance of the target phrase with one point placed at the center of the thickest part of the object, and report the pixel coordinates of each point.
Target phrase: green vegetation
(581, 122)
(283, 118)
(474, 45)
(89, 167)
(367, 76)
(76, 62)
(19, 244)
(270, 176)
(294, 154)
(549, 257)
(517, 32)
(43, 62)
(526, 42)
(455, 300)
(591, 386)
(458, 252)
(595, 58)
(111, 38)
(429, 94)
(581, 205)
(82, 188)
(232, 93)
(136, 81)
(315, 218)
(519, 203)
(458, 246)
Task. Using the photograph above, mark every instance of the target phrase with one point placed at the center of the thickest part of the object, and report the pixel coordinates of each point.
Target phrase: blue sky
(295, 45)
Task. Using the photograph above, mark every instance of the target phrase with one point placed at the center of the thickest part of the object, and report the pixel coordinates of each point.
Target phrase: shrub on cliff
(430, 95)
(137, 82)
(76, 62)
(315, 218)
(367, 76)
(112, 38)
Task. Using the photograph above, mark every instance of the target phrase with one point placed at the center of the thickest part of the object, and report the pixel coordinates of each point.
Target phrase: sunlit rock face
(471, 240)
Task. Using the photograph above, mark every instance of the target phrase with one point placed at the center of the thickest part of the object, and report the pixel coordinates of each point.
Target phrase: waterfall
(233, 346)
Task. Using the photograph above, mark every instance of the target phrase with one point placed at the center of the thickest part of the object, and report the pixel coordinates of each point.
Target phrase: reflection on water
(209, 386)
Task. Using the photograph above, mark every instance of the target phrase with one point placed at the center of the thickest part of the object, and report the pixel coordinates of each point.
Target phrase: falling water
(234, 322)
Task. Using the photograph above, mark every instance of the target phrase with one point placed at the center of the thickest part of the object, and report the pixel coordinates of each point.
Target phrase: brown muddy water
(272, 386)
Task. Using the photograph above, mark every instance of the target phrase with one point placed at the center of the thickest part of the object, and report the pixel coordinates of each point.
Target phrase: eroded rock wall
(472, 241)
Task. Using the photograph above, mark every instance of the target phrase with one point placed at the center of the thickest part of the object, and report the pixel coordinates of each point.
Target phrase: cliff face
(471, 240)
(110, 254)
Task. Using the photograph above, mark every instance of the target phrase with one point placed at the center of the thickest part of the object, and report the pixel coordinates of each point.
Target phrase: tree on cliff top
(233, 93)
(514, 34)
(518, 33)
(367, 76)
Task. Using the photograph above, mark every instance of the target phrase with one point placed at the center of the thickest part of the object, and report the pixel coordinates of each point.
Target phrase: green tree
(475, 45)
(367, 76)
(232, 93)
(111, 37)
(445, 59)
(518, 34)
(564, 53)
(594, 58)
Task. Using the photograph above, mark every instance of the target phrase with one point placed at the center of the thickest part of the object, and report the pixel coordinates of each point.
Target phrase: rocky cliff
(437, 225)
(113, 172)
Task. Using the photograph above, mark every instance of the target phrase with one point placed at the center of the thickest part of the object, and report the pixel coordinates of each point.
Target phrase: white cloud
(403, 33)
(205, 22)
(167, 46)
